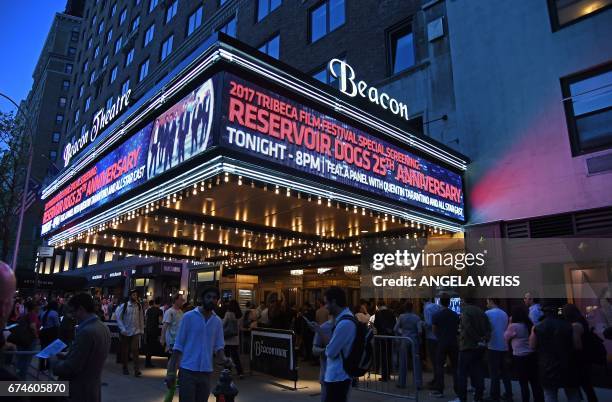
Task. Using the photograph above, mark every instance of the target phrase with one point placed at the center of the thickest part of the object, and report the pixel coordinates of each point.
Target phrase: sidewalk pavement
(256, 388)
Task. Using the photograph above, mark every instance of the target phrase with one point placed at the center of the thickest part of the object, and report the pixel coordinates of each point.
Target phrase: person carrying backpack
(347, 349)
(130, 320)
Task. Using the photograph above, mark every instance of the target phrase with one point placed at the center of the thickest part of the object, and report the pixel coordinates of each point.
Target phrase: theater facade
(241, 163)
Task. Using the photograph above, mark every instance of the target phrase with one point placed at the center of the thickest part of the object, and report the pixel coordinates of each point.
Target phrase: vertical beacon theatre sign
(230, 112)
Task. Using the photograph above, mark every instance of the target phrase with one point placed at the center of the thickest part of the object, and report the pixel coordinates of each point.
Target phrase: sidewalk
(256, 388)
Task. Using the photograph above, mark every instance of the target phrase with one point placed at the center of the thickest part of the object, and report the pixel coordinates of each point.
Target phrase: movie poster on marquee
(263, 124)
(182, 131)
(177, 135)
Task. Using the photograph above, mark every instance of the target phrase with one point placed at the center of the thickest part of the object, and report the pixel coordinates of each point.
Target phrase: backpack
(594, 348)
(359, 359)
(230, 328)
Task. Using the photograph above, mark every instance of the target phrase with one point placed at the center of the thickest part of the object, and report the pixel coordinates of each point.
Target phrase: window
(96, 52)
(325, 76)
(130, 57)
(326, 18)
(149, 35)
(85, 65)
(92, 77)
(222, 2)
(123, 16)
(195, 20)
(152, 5)
(565, 12)
(87, 103)
(68, 68)
(65, 85)
(101, 27)
(113, 9)
(265, 7)
(135, 23)
(125, 86)
(55, 137)
(59, 118)
(113, 75)
(71, 51)
(74, 36)
(62, 101)
(81, 90)
(93, 21)
(105, 61)
(144, 70)
(171, 11)
(588, 109)
(229, 28)
(109, 35)
(83, 129)
(76, 116)
(271, 47)
(401, 47)
(89, 42)
(53, 155)
(109, 103)
(166, 47)
(118, 44)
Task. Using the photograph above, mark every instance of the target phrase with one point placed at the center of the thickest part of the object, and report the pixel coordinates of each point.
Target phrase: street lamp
(25, 187)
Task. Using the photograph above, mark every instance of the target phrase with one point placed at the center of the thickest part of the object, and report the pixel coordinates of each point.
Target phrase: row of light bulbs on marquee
(327, 243)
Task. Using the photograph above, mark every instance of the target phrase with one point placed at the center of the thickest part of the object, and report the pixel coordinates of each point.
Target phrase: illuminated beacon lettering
(345, 73)
(101, 119)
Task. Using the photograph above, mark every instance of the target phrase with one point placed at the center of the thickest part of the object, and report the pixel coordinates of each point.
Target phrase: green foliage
(14, 143)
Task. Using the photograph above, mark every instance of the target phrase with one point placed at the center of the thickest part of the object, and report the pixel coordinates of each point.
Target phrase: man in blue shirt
(336, 381)
(429, 310)
(199, 339)
(497, 350)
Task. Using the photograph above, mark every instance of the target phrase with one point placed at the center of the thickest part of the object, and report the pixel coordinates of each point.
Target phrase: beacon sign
(346, 75)
(101, 119)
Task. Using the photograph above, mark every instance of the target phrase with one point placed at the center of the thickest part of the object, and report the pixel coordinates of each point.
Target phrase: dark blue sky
(24, 25)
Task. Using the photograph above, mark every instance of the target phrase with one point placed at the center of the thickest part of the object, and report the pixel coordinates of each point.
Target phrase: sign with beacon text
(263, 124)
(175, 136)
(272, 353)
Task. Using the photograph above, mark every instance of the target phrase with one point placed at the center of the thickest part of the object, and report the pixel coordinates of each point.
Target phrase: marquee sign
(177, 135)
(101, 119)
(263, 124)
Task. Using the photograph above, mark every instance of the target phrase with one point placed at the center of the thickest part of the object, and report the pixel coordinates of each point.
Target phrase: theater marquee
(263, 124)
(229, 112)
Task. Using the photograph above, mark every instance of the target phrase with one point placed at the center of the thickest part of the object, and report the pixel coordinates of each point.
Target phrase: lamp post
(25, 188)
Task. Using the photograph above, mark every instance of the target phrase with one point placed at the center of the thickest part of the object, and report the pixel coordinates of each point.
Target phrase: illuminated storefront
(258, 169)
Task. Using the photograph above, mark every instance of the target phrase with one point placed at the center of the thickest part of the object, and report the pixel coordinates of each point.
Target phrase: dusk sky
(24, 26)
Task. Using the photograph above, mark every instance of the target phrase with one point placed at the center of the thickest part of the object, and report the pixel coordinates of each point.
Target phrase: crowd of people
(548, 347)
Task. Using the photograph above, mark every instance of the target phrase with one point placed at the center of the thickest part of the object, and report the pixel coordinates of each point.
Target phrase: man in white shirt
(336, 381)
(497, 350)
(199, 339)
(170, 325)
(130, 320)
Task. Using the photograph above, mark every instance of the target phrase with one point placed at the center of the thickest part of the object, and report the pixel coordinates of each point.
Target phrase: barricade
(395, 360)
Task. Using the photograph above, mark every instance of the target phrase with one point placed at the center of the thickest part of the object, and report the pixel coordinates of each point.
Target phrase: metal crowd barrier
(14, 355)
(394, 358)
